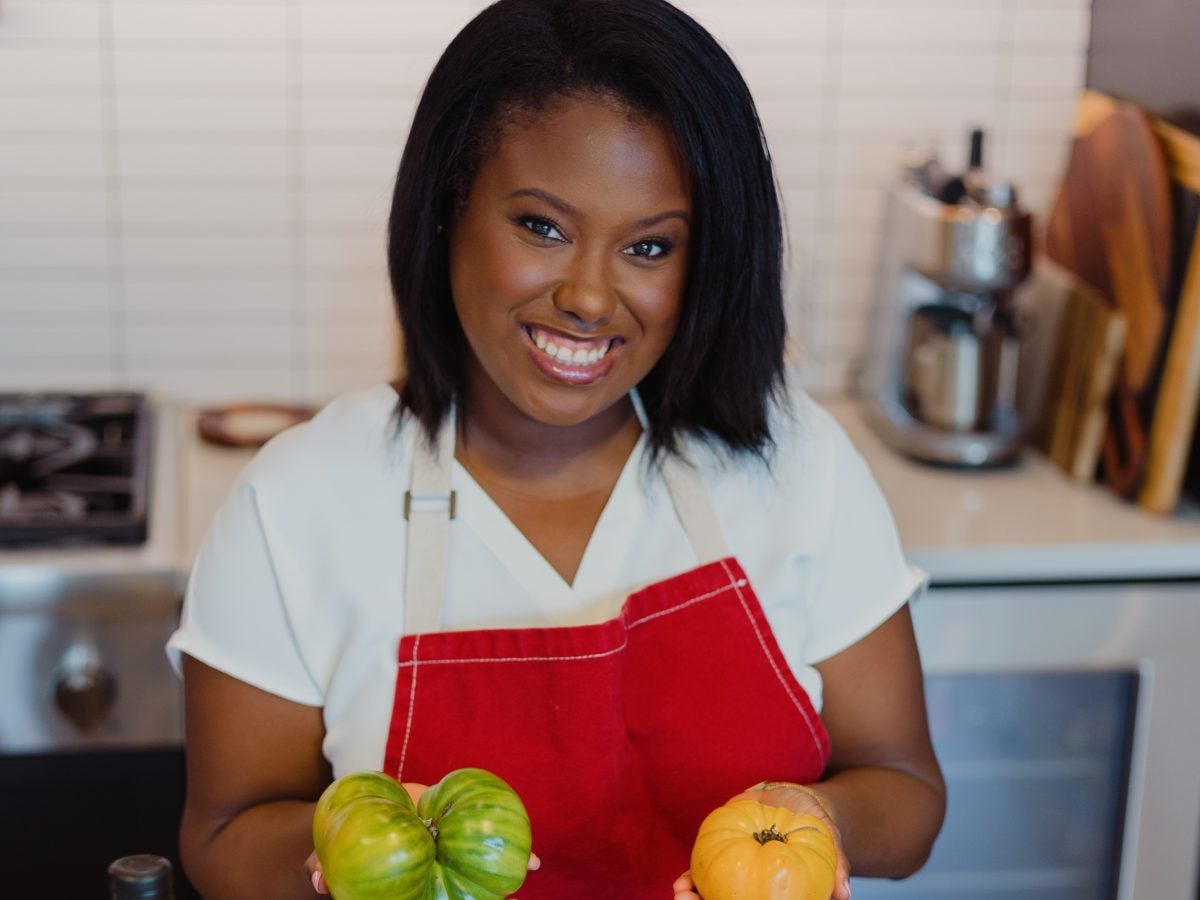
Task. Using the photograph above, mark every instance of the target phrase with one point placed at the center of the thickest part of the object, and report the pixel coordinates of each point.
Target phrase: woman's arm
(883, 785)
(254, 773)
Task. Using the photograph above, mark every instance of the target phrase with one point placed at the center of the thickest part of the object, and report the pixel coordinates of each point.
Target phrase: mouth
(571, 359)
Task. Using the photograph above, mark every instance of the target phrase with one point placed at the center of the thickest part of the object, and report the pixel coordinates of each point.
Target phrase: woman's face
(568, 264)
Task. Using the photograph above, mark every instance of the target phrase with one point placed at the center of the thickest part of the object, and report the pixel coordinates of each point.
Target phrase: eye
(543, 228)
(651, 248)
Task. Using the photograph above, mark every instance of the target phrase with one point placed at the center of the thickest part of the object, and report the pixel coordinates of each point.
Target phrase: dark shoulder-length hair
(724, 368)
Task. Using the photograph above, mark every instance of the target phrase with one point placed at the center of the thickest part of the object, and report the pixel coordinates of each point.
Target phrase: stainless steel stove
(90, 587)
(74, 468)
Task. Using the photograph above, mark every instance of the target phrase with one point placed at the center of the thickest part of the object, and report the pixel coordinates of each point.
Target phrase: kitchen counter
(1026, 523)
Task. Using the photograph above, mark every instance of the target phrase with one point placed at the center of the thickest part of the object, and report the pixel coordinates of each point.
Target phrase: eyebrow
(567, 209)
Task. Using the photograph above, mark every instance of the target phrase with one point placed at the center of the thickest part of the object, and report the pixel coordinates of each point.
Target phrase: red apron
(620, 737)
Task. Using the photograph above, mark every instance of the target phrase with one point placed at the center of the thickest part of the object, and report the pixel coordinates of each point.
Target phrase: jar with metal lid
(141, 877)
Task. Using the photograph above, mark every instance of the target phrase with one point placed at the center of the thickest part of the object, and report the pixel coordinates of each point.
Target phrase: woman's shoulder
(353, 436)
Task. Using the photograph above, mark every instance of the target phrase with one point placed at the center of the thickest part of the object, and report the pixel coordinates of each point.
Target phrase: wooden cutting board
(1173, 430)
(1090, 337)
(1111, 225)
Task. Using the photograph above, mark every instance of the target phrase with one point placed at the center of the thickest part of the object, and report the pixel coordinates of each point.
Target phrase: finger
(683, 883)
(535, 862)
(318, 883)
(415, 789)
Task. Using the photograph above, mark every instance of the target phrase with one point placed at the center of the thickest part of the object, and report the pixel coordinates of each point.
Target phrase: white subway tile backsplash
(49, 302)
(326, 208)
(26, 205)
(883, 72)
(189, 21)
(250, 247)
(261, 70)
(913, 112)
(382, 117)
(326, 297)
(73, 115)
(1050, 113)
(217, 381)
(1065, 27)
(237, 208)
(210, 337)
(51, 342)
(194, 194)
(374, 163)
(94, 372)
(430, 23)
(230, 162)
(345, 253)
(743, 28)
(946, 27)
(222, 296)
(34, 67)
(382, 70)
(1032, 73)
(137, 116)
(37, 20)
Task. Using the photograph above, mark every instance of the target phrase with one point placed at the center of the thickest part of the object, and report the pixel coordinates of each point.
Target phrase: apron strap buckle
(429, 503)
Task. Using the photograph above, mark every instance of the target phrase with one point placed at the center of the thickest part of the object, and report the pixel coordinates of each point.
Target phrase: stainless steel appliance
(940, 377)
(91, 760)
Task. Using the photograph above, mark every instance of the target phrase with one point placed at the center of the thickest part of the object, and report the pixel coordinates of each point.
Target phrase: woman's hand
(799, 798)
(312, 865)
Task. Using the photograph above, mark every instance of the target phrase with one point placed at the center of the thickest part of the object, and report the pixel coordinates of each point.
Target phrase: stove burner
(15, 503)
(73, 468)
(40, 446)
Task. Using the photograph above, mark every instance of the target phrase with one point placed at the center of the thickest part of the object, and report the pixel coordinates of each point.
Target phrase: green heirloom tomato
(351, 787)
(482, 833)
(374, 848)
(467, 839)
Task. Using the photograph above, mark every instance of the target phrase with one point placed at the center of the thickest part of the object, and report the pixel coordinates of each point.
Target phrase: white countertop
(1025, 523)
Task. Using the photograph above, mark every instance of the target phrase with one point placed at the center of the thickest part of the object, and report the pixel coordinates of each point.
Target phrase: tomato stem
(771, 833)
(431, 824)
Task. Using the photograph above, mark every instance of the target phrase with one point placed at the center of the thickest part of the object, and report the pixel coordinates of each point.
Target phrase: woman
(591, 542)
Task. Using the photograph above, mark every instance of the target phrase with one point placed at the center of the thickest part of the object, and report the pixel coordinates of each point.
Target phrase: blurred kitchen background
(193, 194)
(193, 198)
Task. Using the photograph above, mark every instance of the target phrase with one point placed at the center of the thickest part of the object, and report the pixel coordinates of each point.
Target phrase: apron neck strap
(429, 505)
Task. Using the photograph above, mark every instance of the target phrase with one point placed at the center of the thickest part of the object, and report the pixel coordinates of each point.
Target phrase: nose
(586, 292)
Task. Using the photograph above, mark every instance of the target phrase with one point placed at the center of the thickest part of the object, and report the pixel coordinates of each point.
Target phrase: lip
(571, 373)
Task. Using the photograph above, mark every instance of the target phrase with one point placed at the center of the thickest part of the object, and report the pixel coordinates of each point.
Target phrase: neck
(495, 434)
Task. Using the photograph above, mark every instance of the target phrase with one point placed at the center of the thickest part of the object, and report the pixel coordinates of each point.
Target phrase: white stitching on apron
(414, 662)
(775, 666)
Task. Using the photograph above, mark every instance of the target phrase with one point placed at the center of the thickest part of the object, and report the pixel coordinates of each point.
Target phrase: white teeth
(567, 356)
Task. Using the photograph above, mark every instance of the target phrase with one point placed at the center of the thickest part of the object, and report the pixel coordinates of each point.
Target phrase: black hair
(725, 366)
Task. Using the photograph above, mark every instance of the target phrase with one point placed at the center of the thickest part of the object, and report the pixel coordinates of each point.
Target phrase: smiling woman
(591, 542)
(569, 260)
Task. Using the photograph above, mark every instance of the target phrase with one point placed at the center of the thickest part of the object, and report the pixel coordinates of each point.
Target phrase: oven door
(1066, 720)
(91, 757)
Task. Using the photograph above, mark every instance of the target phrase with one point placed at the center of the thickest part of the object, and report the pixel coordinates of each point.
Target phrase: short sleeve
(863, 577)
(235, 617)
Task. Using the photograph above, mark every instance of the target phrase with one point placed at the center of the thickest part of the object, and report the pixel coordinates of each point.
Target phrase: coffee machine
(939, 378)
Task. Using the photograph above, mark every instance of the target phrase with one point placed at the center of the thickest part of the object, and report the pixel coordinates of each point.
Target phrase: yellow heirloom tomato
(748, 851)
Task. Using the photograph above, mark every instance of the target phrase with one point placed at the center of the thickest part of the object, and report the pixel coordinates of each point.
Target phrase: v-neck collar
(607, 545)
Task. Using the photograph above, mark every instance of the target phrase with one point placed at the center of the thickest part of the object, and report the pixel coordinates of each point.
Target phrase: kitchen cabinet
(1058, 639)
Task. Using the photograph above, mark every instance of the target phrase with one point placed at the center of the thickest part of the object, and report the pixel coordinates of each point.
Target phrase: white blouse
(298, 588)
